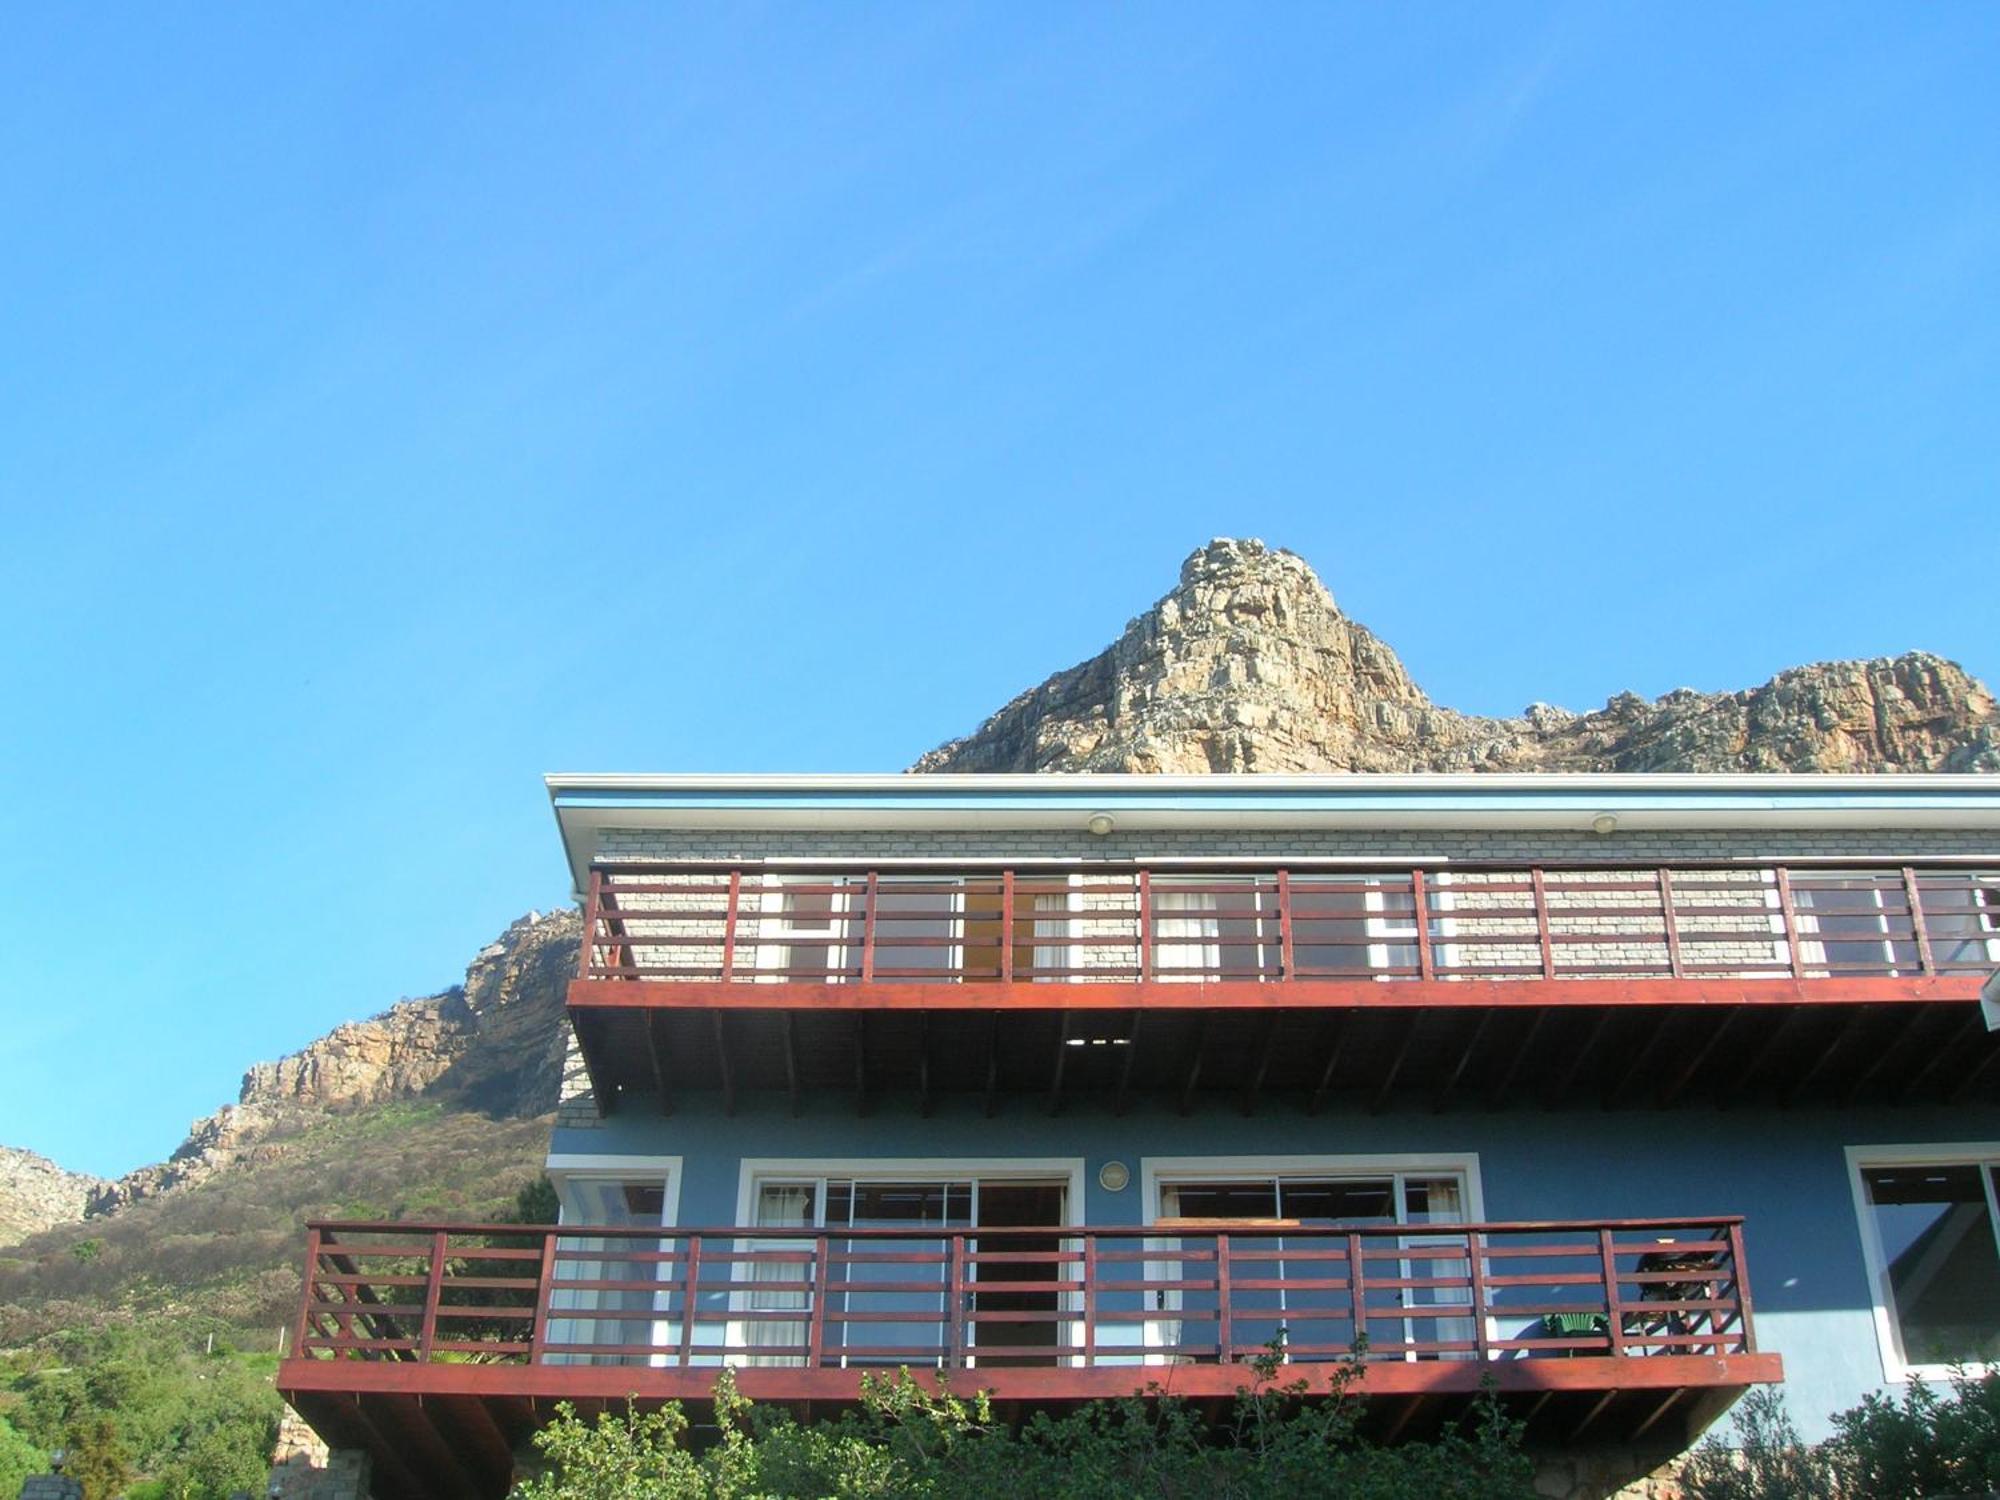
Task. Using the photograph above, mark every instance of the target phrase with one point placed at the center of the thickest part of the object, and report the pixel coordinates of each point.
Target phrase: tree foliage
(148, 1404)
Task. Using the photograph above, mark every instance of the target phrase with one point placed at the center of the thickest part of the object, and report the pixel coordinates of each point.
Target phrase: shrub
(905, 1441)
(1920, 1446)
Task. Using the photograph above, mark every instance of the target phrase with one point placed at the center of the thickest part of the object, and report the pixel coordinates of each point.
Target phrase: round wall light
(1114, 1177)
(1604, 823)
(1100, 824)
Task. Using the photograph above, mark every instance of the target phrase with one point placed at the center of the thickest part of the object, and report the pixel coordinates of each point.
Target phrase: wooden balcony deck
(439, 1348)
(1614, 983)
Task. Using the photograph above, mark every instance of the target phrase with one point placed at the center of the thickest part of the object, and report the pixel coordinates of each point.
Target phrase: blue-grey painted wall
(1784, 1170)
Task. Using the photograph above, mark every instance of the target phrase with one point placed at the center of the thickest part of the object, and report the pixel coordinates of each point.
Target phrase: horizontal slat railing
(1064, 925)
(971, 1299)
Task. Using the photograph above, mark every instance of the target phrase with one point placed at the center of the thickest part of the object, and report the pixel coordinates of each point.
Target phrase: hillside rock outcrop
(36, 1194)
(493, 1045)
(1249, 665)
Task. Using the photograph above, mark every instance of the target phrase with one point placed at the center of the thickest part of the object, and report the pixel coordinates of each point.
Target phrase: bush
(1919, 1447)
(906, 1442)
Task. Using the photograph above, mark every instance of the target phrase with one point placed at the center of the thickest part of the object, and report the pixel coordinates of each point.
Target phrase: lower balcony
(440, 1348)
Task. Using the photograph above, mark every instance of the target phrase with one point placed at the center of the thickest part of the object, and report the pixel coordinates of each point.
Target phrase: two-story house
(1066, 1086)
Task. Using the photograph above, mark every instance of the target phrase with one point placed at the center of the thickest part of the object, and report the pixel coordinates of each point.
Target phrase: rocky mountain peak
(36, 1194)
(1249, 665)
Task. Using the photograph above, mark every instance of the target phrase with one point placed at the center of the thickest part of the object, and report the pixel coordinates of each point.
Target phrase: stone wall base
(1609, 1473)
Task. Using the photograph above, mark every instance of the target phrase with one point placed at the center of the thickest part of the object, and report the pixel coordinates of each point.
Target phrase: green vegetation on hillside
(146, 1342)
(228, 1249)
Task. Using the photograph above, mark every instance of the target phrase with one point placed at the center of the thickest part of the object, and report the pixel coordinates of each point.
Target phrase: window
(1294, 1288)
(1853, 923)
(892, 1304)
(1930, 1229)
(628, 1324)
(816, 928)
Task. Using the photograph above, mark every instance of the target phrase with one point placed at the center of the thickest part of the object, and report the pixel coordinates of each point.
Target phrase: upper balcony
(1618, 982)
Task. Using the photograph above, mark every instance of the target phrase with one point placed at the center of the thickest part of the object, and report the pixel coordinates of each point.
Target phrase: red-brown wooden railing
(971, 1299)
(1055, 924)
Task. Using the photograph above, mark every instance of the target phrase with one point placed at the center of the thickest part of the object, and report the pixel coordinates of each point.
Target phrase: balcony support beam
(1465, 1056)
(1717, 1032)
(1395, 1069)
(656, 1054)
(1123, 1102)
(1336, 1034)
(1267, 1043)
(1195, 1061)
(792, 1061)
(725, 1067)
(1621, 1088)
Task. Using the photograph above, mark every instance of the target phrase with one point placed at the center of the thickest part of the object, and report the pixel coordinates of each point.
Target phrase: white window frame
(565, 1168)
(755, 1170)
(1156, 1172)
(1888, 1337)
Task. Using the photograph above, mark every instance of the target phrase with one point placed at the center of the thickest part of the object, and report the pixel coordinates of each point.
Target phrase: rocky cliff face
(35, 1193)
(1249, 665)
(494, 1044)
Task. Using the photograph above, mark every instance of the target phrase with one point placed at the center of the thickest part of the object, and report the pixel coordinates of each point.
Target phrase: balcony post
(1357, 1291)
(1535, 880)
(1225, 1319)
(1482, 1335)
(544, 1294)
(1741, 1275)
(1614, 1305)
(1089, 1339)
(593, 905)
(733, 906)
(868, 929)
(303, 1328)
(1923, 935)
(1789, 914)
(1145, 925)
(959, 1312)
(1671, 924)
(433, 1287)
(1007, 929)
(1286, 968)
(690, 1298)
(1421, 897)
(816, 1325)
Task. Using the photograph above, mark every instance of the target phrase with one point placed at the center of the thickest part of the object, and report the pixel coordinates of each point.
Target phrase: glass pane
(1369, 1200)
(904, 1325)
(1433, 1200)
(1944, 1270)
(595, 1203)
(602, 1203)
(1222, 1200)
(915, 930)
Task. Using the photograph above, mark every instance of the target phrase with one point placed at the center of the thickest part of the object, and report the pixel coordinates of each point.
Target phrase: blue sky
(399, 402)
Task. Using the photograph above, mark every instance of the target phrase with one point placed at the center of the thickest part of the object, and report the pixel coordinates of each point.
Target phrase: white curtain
(1054, 960)
(1444, 1198)
(781, 1205)
(1185, 934)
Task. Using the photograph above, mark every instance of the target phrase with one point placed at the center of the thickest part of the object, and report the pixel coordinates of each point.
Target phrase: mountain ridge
(1248, 664)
